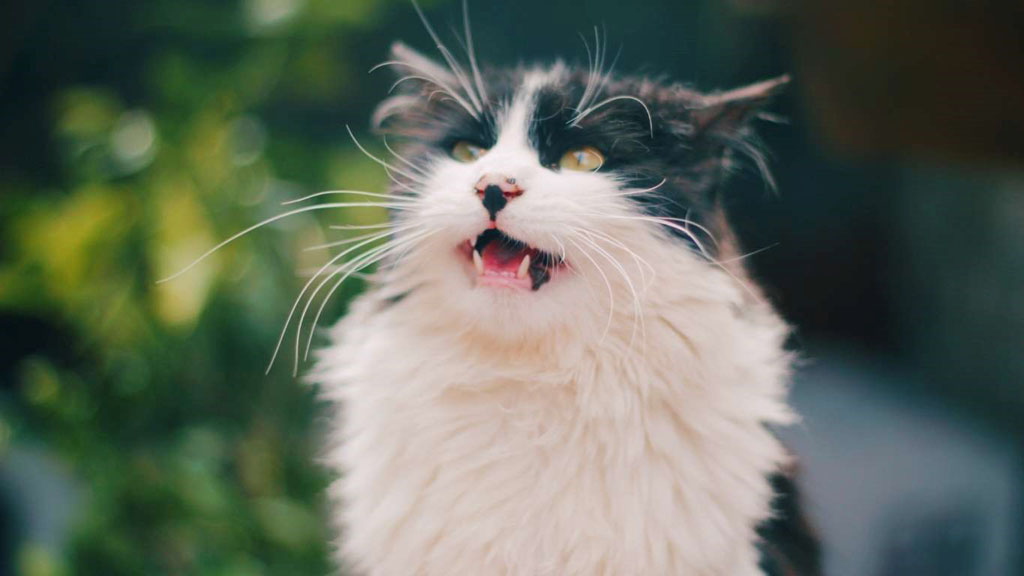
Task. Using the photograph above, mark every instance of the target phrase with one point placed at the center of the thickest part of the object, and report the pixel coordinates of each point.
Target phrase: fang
(524, 267)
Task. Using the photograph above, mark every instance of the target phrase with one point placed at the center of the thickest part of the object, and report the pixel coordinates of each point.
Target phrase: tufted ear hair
(411, 65)
(417, 79)
(728, 112)
(718, 123)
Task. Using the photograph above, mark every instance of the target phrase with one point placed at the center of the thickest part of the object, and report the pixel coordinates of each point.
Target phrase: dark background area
(138, 433)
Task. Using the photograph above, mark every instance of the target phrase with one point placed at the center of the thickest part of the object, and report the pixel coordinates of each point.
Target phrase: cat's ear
(411, 66)
(417, 77)
(728, 112)
(717, 134)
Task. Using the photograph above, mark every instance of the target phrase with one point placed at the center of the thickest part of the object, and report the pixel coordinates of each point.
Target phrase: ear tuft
(406, 62)
(416, 78)
(730, 110)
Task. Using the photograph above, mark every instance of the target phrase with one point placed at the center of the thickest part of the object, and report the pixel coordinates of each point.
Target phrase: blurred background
(139, 434)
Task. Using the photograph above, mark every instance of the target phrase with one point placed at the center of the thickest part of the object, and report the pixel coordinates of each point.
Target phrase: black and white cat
(563, 368)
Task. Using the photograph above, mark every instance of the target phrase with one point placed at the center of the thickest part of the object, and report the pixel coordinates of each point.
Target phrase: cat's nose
(495, 190)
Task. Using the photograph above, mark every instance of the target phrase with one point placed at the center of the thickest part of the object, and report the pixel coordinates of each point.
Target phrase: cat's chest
(540, 430)
(517, 451)
(535, 475)
(612, 463)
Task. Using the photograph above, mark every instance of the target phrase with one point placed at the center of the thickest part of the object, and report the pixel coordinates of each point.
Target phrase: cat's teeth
(478, 262)
(524, 267)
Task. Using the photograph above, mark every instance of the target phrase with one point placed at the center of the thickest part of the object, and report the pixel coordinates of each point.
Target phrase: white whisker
(273, 219)
(583, 114)
(453, 64)
(334, 270)
(337, 243)
(669, 223)
(640, 262)
(307, 273)
(333, 244)
(325, 267)
(634, 192)
(748, 254)
(607, 283)
(471, 52)
(419, 169)
(360, 226)
(443, 88)
(595, 65)
(382, 162)
(561, 246)
(687, 222)
(391, 197)
(364, 260)
(638, 319)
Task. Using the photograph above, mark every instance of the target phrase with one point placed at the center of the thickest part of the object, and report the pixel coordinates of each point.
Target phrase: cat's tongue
(507, 264)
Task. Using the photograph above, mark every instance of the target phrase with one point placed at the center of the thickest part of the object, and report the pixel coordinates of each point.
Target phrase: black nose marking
(494, 200)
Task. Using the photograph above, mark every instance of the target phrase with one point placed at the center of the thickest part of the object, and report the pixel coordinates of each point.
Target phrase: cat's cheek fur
(568, 451)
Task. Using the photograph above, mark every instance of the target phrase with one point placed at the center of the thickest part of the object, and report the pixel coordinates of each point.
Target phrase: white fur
(614, 422)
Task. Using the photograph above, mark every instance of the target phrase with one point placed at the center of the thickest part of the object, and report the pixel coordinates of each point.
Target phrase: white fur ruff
(575, 455)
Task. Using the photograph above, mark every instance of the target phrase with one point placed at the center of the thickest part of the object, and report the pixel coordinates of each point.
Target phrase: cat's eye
(582, 159)
(466, 151)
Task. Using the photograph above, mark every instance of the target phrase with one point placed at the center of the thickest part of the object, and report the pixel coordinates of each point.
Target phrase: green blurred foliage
(179, 124)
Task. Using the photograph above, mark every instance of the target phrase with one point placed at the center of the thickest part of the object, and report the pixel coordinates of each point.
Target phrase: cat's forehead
(545, 88)
(547, 108)
(519, 95)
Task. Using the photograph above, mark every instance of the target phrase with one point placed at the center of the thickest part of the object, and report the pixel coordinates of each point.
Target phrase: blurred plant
(200, 121)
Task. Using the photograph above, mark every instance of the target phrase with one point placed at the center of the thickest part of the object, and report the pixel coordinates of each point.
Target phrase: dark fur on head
(680, 142)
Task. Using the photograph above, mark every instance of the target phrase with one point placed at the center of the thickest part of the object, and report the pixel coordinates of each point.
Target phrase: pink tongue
(501, 258)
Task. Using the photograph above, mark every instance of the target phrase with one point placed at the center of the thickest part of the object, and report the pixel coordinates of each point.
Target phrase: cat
(561, 367)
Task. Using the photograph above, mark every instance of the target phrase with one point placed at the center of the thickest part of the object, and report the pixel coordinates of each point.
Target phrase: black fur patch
(789, 546)
(654, 135)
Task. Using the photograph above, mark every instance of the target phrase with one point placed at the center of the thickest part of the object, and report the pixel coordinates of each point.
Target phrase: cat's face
(539, 195)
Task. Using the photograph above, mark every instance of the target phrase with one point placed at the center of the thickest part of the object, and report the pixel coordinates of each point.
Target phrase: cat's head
(537, 195)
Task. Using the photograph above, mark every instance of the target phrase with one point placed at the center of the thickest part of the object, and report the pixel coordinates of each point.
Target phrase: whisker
(305, 288)
(687, 222)
(607, 283)
(748, 254)
(443, 87)
(570, 268)
(298, 331)
(632, 192)
(419, 169)
(419, 65)
(399, 183)
(650, 119)
(393, 230)
(338, 243)
(391, 197)
(359, 263)
(471, 51)
(638, 320)
(561, 246)
(634, 255)
(453, 64)
(669, 223)
(271, 220)
(382, 162)
(360, 226)
(594, 65)
(306, 273)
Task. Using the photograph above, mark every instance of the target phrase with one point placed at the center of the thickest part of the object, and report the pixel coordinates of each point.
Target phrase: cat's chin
(496, 261)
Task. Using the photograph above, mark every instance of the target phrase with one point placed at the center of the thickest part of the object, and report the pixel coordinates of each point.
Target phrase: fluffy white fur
(614, 422)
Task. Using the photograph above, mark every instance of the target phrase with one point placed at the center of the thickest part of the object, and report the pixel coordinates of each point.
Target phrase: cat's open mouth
(500, 260)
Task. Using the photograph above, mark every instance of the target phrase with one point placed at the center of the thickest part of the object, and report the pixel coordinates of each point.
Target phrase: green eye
(582, 159)
(466, 152)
